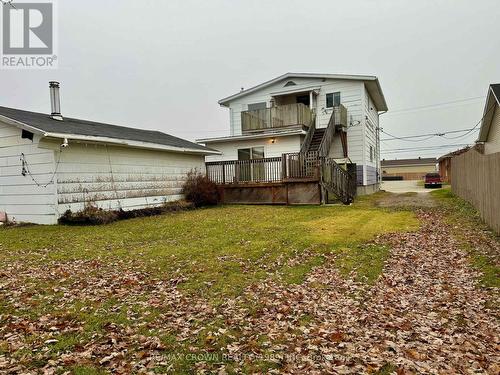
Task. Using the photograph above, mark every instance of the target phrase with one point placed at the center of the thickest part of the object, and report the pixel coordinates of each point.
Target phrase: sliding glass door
(248, 170)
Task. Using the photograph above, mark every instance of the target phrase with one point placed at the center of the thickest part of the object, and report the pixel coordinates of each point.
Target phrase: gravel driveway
(406, 186)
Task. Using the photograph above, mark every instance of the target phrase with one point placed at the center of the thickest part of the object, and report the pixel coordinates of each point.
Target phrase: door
(249, 170)
(304, 99)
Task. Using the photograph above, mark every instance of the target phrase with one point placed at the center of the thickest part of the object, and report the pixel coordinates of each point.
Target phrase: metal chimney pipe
(55, 101)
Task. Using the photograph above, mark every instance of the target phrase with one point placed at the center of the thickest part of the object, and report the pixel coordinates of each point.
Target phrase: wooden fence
(476, 178)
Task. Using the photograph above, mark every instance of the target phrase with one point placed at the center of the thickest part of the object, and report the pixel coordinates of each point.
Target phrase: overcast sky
(164, 64)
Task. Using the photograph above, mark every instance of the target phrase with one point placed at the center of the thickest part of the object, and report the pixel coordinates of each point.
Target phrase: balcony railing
(340, 115)
(276, 117)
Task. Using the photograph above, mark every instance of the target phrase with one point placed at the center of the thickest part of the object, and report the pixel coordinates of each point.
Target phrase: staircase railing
(326, 143)
(337, 180)
(309, 136)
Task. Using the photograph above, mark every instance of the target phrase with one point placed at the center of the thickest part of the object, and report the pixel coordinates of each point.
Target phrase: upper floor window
(290, 83)
(371, 153)
(333, 99)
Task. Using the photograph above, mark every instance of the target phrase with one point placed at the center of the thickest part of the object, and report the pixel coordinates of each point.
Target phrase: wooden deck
(307, 175)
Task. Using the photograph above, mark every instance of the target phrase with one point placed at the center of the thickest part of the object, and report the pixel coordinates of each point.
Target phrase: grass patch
(464, 219)
(366, 262)
(221, 250)
(216, 252)
(296, 274)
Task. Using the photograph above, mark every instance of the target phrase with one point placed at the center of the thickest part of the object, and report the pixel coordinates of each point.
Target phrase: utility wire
(468, 131)
(435, 105)
(424, 148)
(431, 135)
(474, 128)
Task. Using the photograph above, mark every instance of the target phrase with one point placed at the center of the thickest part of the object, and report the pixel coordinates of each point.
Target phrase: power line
(435, 105)
(424, 148)
(430, 135)
(410, 138)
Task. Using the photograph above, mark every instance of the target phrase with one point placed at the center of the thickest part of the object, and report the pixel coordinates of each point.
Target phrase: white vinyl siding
(115, 177)
(111, 177)
(371, 124)
(20, 197)
(492, 145)
(280, 146)
(351, 92)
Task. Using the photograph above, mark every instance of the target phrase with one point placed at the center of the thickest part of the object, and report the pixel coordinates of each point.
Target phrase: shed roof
(371, 82)
(454, 153)
(402, 162)
(97, 131)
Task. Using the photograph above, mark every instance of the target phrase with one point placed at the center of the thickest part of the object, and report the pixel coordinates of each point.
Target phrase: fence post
(283, 166)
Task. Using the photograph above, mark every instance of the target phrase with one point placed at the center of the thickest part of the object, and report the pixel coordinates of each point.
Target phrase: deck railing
(301, 165)
(291, 167)
(245, 171)
(286, 167)
(276, 117)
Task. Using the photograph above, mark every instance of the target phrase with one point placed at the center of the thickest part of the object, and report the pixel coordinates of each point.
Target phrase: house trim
(371, 82)
(252, 136)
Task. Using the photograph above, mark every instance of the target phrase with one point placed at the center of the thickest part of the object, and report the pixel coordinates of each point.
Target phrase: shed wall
(29, 198)
(121, 177)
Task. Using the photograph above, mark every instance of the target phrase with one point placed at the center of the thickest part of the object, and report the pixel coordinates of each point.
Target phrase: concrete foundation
(368, 189)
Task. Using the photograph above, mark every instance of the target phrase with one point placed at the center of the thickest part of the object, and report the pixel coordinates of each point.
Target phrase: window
(251, 153)
(290, 83)
(371, 153)
(333, 99)
(257, 106)
(251, 171)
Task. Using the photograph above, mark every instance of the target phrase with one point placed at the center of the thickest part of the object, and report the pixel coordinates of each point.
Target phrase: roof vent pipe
(55, 101)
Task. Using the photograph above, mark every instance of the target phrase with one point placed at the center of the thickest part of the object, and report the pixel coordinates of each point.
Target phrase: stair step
(316, 140)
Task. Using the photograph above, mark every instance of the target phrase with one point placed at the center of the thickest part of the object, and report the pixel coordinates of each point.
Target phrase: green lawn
(87, 281)
(195, 241)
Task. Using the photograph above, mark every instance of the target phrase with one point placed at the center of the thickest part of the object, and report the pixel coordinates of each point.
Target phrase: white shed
(49, 164)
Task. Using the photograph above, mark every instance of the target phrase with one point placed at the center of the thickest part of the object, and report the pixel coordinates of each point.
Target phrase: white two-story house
(291, 113)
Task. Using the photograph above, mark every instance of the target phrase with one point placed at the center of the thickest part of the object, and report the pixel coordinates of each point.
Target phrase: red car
(433, 180)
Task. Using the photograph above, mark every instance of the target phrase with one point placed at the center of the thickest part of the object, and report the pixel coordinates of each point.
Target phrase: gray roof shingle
(419, 161)
(73, 126)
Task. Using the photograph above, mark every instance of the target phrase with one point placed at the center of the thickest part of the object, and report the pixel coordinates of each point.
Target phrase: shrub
(92, 215)
(199, 190)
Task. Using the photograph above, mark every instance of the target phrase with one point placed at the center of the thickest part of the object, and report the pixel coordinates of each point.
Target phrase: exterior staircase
(316, 140)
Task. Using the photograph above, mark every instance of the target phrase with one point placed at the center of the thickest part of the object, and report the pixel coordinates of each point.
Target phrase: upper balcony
(286, 116)
(282, 116)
